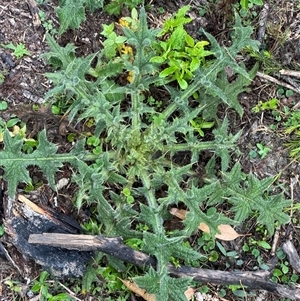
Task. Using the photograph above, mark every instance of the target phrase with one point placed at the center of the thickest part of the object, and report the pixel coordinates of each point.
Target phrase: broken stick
(114, 247)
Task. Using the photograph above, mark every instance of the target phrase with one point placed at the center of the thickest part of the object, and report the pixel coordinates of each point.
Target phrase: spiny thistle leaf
(214, 79)
(163, 286)
(225, 142)
(241, 37)
(143, 36)
(249, 195)
(92, 5)
(59, 57)
(70, 15)
(15, 162)
(253, 196)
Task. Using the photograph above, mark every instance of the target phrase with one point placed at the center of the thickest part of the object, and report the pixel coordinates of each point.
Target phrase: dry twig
(290, 73)
(277, 82)
(115, 247)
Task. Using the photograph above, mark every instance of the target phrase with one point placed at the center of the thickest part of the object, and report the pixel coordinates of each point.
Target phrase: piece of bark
(109, 245)
(60, 263)
(263, 16)
(291, 252)
(25, 218)
(115, 247)
(66, 223)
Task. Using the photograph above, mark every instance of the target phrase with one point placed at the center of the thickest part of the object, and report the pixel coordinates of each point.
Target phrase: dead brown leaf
(189, 293)
(132, 286)
(226, 231)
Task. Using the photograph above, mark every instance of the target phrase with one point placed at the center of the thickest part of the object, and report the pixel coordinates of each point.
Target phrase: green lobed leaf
(92, 5)
(163, 286)
(59, 57)
(70, 15)
(45, 156)
(249, 196)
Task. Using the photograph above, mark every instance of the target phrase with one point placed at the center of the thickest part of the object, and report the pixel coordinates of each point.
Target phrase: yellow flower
(127, 50)
(123, 22)
(130, 76)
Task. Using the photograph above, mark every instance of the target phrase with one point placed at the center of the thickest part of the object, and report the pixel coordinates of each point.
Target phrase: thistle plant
(137, 147)
(71, 13)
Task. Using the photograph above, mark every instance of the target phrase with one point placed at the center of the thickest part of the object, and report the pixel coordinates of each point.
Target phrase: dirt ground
(25, 83)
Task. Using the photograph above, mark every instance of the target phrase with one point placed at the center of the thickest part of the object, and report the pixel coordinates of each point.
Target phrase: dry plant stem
(277, 82)
(72, 294)
(293, 181)
(291, 82)
(7, 256)
(115, 247)
(275, 242)
(290, 73)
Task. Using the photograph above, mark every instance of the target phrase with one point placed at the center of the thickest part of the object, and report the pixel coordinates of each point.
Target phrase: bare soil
(25, 83)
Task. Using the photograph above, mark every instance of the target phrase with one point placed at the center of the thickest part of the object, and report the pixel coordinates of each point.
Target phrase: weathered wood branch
(262, 23)
(291, 252)
(115, 247)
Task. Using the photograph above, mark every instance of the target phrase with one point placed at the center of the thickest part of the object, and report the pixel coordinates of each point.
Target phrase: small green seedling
(238, 290)
(17, 128)
(199, 124)
(112, 277)
(93, 227)
(115, 7)
(55, 109)
(264, 57)
(42, 286)
(19, 50)
(282, 272)
(134, 243)
(113, 43)
(131, 22)
(207, 244)
(254, 247)
(161, 10)
(293, 122)
(154, 103)
(281, 92)
(269, 105)
(129, 198)
(95, 142)
(14, 286)
(262, 151)
(175, 262)
(3, 73)
(47, 24)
